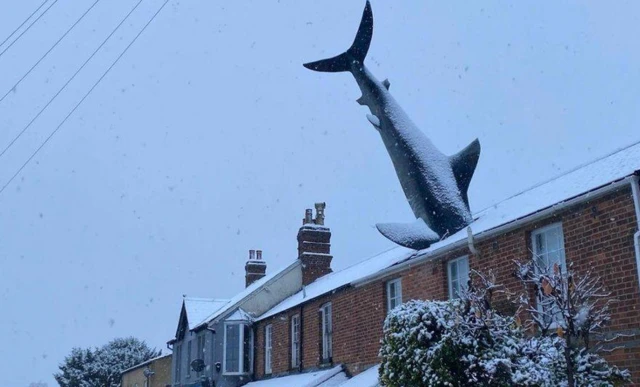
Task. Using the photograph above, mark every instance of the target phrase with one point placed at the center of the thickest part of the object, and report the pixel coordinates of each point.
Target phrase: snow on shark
(435, 184)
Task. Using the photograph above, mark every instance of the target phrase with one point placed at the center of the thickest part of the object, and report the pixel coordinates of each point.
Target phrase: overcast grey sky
(209, 138)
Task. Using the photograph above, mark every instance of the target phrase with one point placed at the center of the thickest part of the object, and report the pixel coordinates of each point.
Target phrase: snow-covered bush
(103, 366)
(575, 309)
(465, 342)
(413, 337)
(458, 343)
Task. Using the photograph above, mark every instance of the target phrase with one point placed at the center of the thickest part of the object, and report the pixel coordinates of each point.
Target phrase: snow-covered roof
(577, 182)
(246, 292)
(199, 308)
(368, 378)
(333, 377)
(585, 178)
(338, 279)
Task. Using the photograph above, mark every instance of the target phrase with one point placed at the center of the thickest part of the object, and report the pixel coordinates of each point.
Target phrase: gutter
(593, 194)
(635, 190)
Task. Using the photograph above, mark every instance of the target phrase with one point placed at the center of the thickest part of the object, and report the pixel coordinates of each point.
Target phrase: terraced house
(323, 328)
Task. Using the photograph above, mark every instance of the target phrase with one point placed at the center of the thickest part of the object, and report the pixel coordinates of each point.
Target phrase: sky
(208, 138)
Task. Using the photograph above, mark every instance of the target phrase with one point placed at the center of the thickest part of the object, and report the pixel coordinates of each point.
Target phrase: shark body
(434, 184)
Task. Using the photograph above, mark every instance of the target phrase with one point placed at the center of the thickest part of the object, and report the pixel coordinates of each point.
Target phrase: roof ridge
(556, 177)
(207, 299)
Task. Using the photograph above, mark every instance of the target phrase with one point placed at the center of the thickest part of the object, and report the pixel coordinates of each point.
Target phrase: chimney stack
(255, 268)
(314, 245)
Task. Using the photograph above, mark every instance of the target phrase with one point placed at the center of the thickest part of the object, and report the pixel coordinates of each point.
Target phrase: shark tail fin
(357, 52)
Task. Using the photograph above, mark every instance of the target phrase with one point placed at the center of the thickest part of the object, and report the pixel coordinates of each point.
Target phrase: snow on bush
(465, 342)
(453, 343)
(103, 366)
(575, 308)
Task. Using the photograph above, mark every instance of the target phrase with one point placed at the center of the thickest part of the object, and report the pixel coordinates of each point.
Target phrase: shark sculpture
(435, 184)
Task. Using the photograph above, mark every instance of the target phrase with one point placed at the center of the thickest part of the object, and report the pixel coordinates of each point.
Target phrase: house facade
(589, 218)
(328, 325)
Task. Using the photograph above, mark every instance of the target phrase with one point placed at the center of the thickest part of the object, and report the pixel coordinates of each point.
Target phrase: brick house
(589, 217)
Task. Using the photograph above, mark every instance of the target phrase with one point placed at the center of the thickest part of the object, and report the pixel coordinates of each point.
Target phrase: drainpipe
(635, 190)
(471, 242)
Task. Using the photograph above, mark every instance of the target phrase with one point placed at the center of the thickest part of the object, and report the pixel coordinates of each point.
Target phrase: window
(188, 359)
(238, 349)
(458, 275)
(327, 333)
(548, 250)
(201, 344)
(548, 246)
(267, 348)
(394, 294)
(295, 341)
(178, 363)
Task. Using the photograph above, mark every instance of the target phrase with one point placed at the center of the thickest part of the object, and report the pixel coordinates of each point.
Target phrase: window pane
(295, 341)
(553, 239)
(463, 268)
(246, 350)
(454, 269)
(267, 351)
(232, 348)
(552, 258)
(454, 288)
(326, 332)
(540, 245)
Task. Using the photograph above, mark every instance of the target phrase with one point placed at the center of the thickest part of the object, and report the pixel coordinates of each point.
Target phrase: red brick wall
(597, 235)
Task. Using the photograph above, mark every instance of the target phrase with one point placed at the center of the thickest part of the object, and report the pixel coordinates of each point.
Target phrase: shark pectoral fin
(386, 84)
(416, 235)
(375, 121)
(463, 165)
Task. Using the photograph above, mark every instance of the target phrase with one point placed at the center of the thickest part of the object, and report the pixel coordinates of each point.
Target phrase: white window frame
(327, 332)
(392, 302)
(268, 348)
(242, 324)
(563, 258)
(295, 341)
(461, 281)
(544, 230)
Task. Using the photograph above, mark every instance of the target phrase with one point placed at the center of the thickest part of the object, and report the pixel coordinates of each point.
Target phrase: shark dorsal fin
(463, 165)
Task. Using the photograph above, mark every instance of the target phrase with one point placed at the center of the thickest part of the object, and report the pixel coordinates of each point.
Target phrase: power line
(83, 98)
(69, 81)
(25, 20)
(29, 27)
(47, 53)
